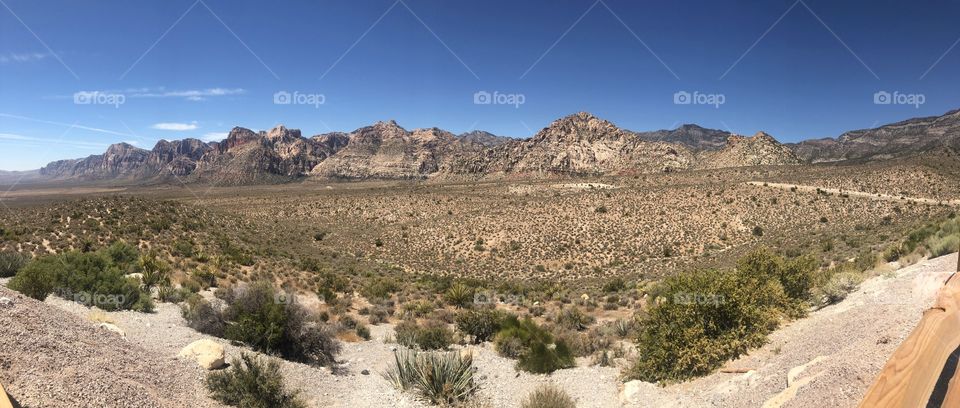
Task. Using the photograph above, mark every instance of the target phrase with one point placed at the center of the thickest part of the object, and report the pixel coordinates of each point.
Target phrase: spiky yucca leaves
(252, 382)
(11, 262)
(459, 295)
(442, 378)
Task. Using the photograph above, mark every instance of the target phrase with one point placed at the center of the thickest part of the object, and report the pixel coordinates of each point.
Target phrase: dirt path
(832, 356)
(878, 196)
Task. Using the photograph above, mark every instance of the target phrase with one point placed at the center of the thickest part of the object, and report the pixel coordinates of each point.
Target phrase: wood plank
(4, 401)
(909, 377)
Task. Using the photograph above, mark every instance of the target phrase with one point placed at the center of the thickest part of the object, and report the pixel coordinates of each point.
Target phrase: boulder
(207, 353)
(113, 328)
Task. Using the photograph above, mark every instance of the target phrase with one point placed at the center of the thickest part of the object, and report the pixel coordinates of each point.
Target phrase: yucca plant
(460, 296)
(11, 262)
(441, 378)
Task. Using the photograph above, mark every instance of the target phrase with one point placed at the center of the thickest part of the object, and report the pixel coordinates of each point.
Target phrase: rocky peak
(579, 127)
(281, 133)
(123, 149)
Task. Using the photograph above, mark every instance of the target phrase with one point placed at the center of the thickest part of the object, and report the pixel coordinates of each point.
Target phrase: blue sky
(76, 76)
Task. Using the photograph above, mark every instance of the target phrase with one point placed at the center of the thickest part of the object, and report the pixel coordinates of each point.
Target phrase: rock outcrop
(577, 145)
(693, 137)
(759, 150)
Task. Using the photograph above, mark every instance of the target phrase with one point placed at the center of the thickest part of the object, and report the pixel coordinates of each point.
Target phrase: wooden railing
(923, 372)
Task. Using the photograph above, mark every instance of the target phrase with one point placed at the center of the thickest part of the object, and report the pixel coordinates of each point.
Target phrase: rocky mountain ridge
(576, 145)
(900, 139)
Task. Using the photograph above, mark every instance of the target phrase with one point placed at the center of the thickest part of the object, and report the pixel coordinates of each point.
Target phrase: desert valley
(555, 268)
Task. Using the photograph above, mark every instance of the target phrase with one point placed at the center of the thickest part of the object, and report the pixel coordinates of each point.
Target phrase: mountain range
(576, 145)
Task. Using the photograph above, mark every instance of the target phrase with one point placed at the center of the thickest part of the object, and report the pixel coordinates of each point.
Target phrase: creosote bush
(252, 382)
(431, 335)
(533, 345)
(704, 318)
(481, 324)
(270, 321)
(90, 278)
(202, 316)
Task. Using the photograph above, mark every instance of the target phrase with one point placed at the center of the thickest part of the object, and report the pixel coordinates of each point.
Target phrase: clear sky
(76, 76)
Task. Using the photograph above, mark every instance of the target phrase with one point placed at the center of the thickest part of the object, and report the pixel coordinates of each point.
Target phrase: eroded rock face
(759, 150)
(386, 150)
(244, 156)
(906, 138)
(579, 144)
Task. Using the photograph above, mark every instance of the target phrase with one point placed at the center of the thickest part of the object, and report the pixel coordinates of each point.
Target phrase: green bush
(251, 382)
(441, 378)
(573, 319)
(269, 321)
(36, 279)
(547, 396)
(534, 346)
(432, 335)
(705, 318)
(480, 324)
(91, 278)
(11, 262)
(202, 316)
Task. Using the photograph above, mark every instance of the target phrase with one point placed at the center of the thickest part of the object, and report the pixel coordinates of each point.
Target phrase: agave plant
(441, 378)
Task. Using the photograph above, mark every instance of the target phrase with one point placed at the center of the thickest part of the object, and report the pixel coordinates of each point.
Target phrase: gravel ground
(51, 358)
(57, 354)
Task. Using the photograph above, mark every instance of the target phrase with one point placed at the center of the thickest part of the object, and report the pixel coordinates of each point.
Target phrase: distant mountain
(388, 151)
(906, 138)
(485, 139)
(759, 150)
(243, 157)
(579, 144)
(693, 137)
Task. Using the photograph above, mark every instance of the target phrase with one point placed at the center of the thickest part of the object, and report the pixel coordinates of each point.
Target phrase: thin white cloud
(214, 136)
(37, 140)
(178, 127)
(74, 125)
(23, 57)
(162, 93)
(191, 94)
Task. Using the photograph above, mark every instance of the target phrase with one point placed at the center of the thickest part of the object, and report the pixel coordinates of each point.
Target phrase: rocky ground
(56, 355)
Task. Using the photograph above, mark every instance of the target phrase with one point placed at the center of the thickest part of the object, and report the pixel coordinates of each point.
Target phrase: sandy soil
(832, 357)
